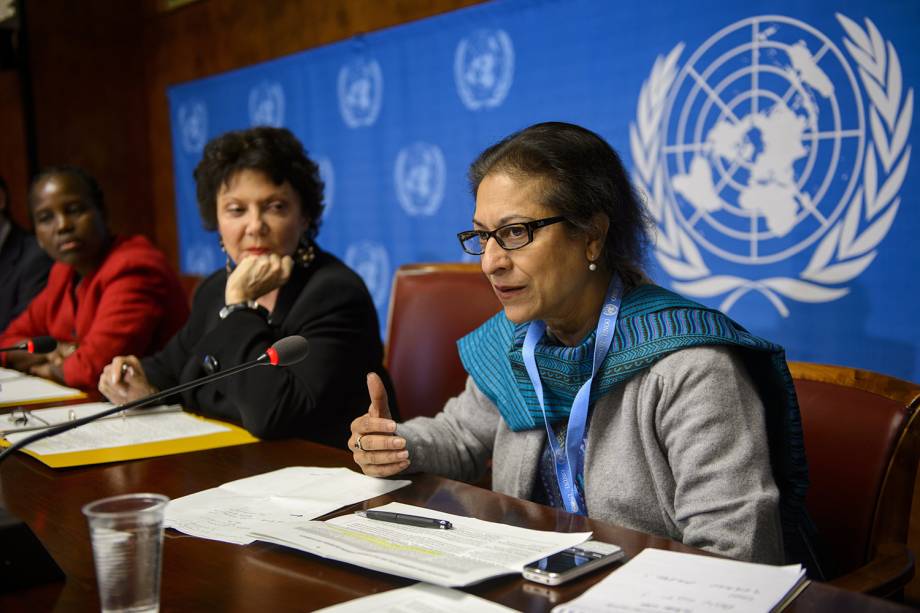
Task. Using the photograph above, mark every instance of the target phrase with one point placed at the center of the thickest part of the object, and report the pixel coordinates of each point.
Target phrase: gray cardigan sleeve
(458, 441)
(680, 451)
(709, 420)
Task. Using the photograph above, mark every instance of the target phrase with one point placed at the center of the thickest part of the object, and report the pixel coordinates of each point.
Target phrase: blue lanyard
(571, 462)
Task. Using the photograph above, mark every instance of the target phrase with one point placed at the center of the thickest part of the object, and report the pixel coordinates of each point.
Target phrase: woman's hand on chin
(257, 275)
(373, 442)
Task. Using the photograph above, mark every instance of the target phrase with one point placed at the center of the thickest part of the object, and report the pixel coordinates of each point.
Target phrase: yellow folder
(234, 435)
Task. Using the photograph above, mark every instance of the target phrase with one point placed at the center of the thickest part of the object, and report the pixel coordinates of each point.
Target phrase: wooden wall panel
(13, 163)
(89, 99)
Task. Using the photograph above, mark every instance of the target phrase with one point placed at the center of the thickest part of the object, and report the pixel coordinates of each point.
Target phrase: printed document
(288, 497)
(19, 388)
(149, 425)
(658, 580)
(474, 550)
(419, 597)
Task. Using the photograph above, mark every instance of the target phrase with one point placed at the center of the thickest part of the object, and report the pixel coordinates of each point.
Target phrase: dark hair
(4, 188)
(581, 176)
(274, 151)
(90, 186)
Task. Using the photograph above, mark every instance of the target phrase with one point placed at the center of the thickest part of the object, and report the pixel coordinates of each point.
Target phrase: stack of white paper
(474, 550)
(658, 580)
(17, 388)
(288, 497)
(158, 423)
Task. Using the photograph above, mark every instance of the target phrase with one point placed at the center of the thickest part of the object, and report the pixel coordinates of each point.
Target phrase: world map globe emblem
(484, 68)
(420, 175)
(193, 125)
(371, 261)
(763, 138)
(360, 91)
(201, 258)
(266, 104)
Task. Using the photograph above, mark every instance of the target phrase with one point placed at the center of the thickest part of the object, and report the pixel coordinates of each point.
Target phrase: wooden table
(201, 575)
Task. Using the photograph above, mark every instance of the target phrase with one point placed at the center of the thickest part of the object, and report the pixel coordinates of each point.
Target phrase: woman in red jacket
(106, 295)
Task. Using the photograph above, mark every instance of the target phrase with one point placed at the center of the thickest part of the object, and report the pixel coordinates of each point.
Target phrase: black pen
(406, 520)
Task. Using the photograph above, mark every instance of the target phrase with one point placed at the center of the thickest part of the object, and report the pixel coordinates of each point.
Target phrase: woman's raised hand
(124, 380)
(257, 275)
(374, 443)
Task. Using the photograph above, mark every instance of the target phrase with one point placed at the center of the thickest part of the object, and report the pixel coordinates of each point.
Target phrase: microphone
(285, 352)
(38, 344)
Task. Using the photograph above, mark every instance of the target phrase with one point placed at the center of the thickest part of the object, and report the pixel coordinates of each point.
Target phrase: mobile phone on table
(572, 562)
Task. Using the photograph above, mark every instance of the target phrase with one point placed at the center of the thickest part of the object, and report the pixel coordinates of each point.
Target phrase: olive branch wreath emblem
(850, 245)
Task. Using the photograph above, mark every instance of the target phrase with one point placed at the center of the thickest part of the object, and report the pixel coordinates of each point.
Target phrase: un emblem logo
(193, 126)
(770, 141)
(484, 68)
(419, 177)
(327, 176)
(360, 92)
(372, 263)
(201, 259)
(266, 105)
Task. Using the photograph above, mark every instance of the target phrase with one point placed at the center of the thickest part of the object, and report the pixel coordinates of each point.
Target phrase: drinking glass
(127, 536)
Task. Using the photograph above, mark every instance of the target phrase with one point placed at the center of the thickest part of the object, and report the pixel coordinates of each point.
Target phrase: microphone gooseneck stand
(134, 404)
(288, 350)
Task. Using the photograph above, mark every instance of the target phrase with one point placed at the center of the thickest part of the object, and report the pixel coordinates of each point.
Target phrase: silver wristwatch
(249, 305)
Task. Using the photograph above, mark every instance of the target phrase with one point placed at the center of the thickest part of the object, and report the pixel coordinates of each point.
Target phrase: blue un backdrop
(772, 141)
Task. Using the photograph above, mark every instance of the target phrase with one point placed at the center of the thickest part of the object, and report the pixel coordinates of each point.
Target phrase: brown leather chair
(862, 438)
(431, 307)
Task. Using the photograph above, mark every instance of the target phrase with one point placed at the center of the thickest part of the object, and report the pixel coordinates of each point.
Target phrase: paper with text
(288, 497)
(474, 550)
(20, 388)
(151, 425)
(418, 597)
(657, 580)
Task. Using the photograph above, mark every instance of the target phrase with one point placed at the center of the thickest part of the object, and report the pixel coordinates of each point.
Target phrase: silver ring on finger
(358, 443)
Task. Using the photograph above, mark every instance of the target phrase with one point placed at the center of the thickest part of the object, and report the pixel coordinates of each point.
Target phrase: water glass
(127, 537)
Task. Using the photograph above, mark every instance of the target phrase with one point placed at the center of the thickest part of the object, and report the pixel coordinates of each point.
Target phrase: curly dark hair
(581, 176)
(273, 151)
(91, 187)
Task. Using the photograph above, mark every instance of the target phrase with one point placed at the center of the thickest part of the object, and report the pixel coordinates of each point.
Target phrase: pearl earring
(592, 266)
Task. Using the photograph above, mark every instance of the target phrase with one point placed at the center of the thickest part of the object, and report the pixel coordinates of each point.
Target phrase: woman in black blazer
(263, 194)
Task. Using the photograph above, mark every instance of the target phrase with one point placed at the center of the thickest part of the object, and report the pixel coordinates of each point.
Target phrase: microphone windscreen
(289, 350)
(42, 344)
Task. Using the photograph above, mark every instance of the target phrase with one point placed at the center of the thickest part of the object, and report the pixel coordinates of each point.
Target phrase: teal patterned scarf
(653, 323)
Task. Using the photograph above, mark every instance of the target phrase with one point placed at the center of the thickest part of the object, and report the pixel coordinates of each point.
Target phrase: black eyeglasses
(509, 237)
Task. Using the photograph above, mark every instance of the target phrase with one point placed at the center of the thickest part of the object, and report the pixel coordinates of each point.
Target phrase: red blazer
(132, 304)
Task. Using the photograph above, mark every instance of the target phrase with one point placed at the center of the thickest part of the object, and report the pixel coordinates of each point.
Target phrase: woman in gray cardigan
(594, 390)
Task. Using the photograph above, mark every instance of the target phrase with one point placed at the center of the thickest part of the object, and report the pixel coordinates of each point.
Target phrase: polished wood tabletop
(200, 575)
